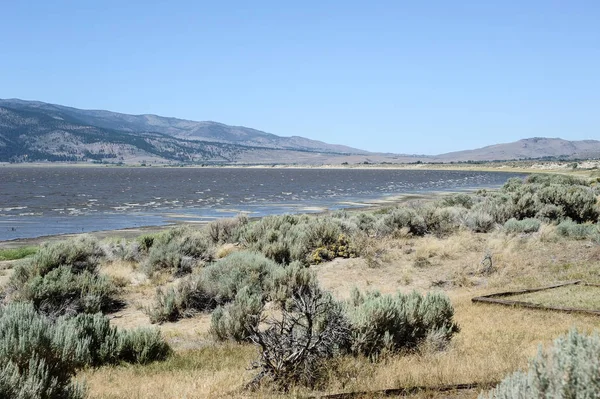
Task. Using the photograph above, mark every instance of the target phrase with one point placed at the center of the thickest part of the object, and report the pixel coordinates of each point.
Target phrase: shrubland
(51, 325)
(260, 282)
(39, 356)
(62, 278)
(519, 207)
(569, 369)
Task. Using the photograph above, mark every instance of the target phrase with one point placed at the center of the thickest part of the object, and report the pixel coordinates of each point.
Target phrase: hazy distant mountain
(180, 128)
(35, 135)
(37, 131)
(537, 147)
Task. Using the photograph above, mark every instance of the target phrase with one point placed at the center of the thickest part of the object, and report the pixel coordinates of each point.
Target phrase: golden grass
(226, 250)
(573, 296)
(493, 341)
(209, 372)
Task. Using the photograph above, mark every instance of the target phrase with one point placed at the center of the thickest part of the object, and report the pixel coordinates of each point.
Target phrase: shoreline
(133, 232)
(349, 207)
(503, 166)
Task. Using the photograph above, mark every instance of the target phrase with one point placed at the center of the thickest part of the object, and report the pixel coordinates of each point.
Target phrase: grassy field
(17, 253)
(493, 340)
(572, 296)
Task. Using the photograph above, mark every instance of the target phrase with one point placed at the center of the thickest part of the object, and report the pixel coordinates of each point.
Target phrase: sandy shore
(507, 166)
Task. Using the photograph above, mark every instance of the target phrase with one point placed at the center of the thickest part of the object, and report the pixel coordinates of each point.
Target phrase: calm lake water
(38, 201)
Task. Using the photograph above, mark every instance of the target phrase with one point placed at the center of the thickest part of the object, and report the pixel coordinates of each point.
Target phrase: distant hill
(537, 147)
(178, 128)
(37, 131)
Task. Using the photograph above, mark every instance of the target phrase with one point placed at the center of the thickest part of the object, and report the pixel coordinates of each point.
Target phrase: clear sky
(398, 76)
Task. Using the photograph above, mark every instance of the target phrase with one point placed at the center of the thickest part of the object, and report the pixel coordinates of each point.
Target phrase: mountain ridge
(183, 128)
(534, 147)
(38, 131)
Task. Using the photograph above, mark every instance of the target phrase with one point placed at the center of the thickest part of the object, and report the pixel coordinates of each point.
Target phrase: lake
(39, 201)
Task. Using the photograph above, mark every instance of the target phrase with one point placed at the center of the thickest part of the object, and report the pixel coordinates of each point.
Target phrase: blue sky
(397, 76)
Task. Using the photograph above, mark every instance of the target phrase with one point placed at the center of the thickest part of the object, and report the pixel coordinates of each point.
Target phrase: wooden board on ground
(571, 296)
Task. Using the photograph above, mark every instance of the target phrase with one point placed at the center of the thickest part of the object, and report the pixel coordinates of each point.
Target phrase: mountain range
(38, 131)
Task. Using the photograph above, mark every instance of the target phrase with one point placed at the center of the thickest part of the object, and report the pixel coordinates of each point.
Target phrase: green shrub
(512, 184)
(322, 232)
(289, 281)
(307, 239)
(577, 202)
(399, 218)
(32, 364)
(550, 213)
(551, 198)
(121, 249)
(568, 370)
(143, 345)
(499, 205)
(365, 222)
(39, 357)
(90, 339)
(238, 270)
(62, 278)
(81, 253)
(168, 306)
(217, 284)
(192, 295)
(526, 203)
(35, 381)
(280, 238)
(237, 320)
(479, 221)
(178, 250)
(548, 179)
(514, 226)
(442, 221)
(387, 323)
(226, 230)
(460, 200)
(570, 229)
(146, 241)
(63, 292)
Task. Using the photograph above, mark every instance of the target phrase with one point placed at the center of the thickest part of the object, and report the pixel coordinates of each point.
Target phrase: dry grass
(6, 270)
(456, 261)
(573, 296)
(210, 372)
(138, 295)
(493, 341)
(124, 274)
(226, 250)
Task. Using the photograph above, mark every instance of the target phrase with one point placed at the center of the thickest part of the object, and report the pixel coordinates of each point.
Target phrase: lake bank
(532, 166)
(128, 233)
(38, 202)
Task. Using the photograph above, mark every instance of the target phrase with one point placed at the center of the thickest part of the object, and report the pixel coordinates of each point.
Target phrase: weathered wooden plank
(528, 290)
(494, 299)
(407, 391)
